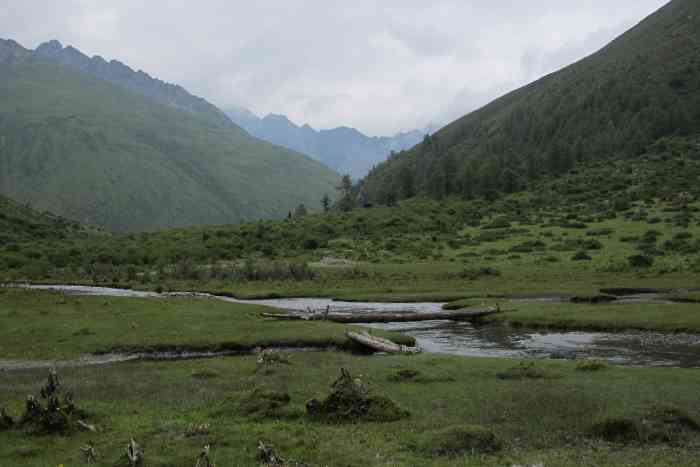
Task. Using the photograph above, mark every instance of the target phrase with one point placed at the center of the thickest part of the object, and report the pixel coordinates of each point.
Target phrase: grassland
(55, 326)
(657, 317)
(547, 419)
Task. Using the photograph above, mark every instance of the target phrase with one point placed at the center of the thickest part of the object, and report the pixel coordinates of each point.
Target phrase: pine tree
(326, 202)
(345, 202)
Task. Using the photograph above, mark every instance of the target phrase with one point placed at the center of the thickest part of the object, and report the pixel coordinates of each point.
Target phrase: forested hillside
(92, 151)
(23, 224)
(643, 86)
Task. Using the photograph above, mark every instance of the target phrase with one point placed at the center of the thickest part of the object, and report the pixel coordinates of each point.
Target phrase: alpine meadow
(519, 288)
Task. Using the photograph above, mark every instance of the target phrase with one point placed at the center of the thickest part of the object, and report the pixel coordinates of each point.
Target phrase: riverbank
(43, 325)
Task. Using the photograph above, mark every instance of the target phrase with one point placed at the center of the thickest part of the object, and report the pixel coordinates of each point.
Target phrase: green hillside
(613, 104)
(97, 153)
(23, 224)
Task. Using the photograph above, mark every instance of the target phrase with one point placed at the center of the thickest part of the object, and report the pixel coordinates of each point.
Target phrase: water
(629, 348)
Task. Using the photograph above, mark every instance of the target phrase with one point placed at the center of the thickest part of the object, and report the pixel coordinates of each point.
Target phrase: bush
(640, 261)
(581, 256)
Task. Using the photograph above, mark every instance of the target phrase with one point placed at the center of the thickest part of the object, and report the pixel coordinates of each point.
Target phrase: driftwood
(379, 344)
(203, 459)
(86, 426)
(90, 453)
(135, 454)
(384, 317)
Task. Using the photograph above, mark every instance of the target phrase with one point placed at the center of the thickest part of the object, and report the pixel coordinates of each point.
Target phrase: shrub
(581, 256)
(640, 261)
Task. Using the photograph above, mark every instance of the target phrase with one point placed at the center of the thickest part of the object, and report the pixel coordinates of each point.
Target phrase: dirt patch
(351, 400)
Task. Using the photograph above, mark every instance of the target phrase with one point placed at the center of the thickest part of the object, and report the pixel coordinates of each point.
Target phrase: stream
(628, 348)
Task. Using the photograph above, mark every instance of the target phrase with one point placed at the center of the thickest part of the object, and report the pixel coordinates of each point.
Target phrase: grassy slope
(94, 152)
(20, 223)
(644, 85)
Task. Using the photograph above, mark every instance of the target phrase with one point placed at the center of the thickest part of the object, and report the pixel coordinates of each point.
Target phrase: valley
(176, 292)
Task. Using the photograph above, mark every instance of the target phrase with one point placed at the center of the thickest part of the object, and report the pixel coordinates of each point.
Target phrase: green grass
(53, 326)
(657, 317)
(535, 420)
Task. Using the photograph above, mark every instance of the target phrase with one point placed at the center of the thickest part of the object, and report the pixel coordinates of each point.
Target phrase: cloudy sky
(379, 65)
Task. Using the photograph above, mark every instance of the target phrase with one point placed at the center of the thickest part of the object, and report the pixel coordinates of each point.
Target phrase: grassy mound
(350, 400)
(658, 425)
(459, 440)
(258, 403)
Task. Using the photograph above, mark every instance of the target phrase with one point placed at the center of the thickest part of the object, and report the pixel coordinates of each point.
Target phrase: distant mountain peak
(345, 149)
(139, 81)
(10, 49)
(50, 47)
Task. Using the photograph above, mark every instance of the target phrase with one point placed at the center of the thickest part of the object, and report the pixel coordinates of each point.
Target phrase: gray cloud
(380, 66)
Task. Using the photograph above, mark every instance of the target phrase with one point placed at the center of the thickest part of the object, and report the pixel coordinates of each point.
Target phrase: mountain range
(642, 87)
(100, 143)
(344, 149)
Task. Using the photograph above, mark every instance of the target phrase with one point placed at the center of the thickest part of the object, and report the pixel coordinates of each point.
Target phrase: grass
(547, 421)
(657, 317)
(484, 411)
(54, 326)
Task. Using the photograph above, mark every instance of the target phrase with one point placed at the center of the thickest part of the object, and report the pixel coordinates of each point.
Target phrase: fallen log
(379, 344)
(384, 317)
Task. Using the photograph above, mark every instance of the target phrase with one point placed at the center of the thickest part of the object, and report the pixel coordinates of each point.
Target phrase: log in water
(384, 317)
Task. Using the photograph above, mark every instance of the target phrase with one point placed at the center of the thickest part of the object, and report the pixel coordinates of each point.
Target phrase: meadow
(460, 411)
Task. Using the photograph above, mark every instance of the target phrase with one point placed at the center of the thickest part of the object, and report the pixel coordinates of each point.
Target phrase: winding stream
(629, 348)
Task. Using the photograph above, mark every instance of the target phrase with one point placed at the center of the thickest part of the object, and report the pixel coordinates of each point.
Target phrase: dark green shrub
(640, 261)
(581, 256)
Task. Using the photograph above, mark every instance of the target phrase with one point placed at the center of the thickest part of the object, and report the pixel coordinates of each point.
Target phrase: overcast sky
(381, 66)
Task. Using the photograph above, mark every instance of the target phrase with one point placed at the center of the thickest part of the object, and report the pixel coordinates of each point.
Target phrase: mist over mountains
(344, 149)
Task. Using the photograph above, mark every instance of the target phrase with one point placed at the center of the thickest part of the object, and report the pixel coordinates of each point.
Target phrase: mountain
(344, 149)
(643, 86)
(138, 81)
(100, 153)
